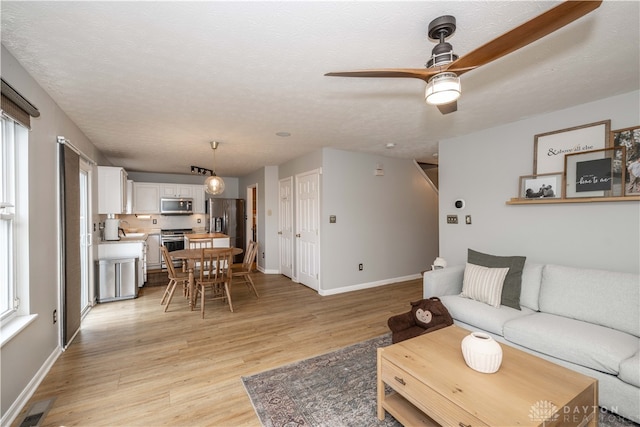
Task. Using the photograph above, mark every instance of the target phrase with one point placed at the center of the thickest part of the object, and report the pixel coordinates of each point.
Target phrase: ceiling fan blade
(525, 34)
(448, 108)
(415, 73)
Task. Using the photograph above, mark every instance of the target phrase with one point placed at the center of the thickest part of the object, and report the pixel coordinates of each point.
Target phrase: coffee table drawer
(436, 406)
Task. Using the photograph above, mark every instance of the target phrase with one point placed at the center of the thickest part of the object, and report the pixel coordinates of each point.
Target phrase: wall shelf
(516, 201)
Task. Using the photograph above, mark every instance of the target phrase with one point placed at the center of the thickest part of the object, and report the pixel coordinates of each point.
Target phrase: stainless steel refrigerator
(227, 216)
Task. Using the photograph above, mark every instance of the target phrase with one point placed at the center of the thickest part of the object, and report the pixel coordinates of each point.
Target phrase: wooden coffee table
(433, 386)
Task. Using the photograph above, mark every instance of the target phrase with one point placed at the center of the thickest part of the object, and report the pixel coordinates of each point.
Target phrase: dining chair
(199, 243)
(202, 242)
(175, 277)
(243, 271)
(214, 277)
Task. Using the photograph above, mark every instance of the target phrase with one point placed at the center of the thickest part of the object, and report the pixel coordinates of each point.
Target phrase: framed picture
(630, 139)
(595, 173)
(550, 148)
(544, 186)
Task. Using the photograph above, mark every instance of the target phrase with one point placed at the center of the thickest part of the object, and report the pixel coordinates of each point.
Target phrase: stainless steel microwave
(176, 206)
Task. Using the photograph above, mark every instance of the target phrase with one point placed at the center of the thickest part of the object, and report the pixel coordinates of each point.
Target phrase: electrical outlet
(55, 316)
(155, 221)
(199, 221)
(360, 267)
(467, 219)
(452, 219)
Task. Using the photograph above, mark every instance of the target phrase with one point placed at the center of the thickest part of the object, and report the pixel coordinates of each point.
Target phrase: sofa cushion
(530, 289)
(480, 315)
(483, 284)
(511, 289)
(605, 298)
(630, 370)
(582, 343)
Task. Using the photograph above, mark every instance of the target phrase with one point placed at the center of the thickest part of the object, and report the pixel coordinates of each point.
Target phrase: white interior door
(308, 228)
(285, 228)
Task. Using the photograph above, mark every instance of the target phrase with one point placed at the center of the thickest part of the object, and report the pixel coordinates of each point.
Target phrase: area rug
(336, 389)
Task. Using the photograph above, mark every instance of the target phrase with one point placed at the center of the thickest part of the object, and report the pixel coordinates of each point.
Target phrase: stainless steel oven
(173, 240)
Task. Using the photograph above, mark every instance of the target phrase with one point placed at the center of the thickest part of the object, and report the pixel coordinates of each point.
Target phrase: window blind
(16, 106)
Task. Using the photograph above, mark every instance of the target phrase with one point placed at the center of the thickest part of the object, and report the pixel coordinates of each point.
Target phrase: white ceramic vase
(481, 352)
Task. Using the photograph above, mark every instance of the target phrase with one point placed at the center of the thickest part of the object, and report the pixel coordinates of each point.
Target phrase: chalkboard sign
(594, 175)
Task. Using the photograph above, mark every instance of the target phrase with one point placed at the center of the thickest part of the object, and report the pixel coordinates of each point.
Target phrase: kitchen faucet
(122, 229)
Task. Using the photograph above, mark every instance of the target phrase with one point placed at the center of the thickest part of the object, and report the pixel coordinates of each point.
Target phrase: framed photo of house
(630, 139)
(595, 173)
(549, 149)
(544, 186)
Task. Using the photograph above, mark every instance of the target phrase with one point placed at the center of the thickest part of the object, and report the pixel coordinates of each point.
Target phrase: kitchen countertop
(137, 238)
(206, 236)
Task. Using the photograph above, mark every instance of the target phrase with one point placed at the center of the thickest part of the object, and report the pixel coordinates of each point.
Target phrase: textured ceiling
(151, 83)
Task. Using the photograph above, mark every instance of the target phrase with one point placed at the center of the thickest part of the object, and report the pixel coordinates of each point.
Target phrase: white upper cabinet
(146, 198)
(112, 190)
(147, 195)
(198, 199)
(176, 190)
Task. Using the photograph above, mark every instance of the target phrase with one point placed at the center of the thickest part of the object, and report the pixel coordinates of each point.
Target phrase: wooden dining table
(190, 256)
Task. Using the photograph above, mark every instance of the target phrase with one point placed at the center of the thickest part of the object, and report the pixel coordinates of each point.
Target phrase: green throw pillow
(513, 281)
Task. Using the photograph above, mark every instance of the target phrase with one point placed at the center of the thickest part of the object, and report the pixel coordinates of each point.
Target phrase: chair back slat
(168, 261)
(204, 242)
(250, 256)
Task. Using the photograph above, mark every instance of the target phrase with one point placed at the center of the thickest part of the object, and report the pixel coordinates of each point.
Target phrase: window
(13, 169)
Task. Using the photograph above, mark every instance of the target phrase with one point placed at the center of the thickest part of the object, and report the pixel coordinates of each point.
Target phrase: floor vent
(36, 413)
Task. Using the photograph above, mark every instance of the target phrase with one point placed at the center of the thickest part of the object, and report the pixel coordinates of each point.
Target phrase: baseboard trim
(14, 410)
(360, 286)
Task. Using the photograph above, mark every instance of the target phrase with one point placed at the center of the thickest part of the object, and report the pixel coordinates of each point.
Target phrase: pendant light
(214, 184)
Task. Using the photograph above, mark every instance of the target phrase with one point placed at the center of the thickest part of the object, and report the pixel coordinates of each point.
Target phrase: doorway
(252, 215)
(86, 270)
(285, 228)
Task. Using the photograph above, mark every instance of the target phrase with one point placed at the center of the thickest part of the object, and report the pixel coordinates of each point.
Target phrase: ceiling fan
(443, 70)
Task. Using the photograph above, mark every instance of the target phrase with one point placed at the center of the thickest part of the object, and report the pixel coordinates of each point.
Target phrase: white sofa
(585, 320)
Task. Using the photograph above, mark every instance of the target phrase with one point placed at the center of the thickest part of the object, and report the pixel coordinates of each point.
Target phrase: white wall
(24, 355)
(388, 223)
(483, 168)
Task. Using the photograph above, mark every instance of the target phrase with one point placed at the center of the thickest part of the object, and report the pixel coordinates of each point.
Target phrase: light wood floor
(134, 365)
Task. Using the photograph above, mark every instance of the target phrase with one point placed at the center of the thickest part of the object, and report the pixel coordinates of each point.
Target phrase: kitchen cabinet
(153, 251)
(146, 198)
(176, 190)
(147, 195)
(129, 207)
(112, 190)
(198, 199)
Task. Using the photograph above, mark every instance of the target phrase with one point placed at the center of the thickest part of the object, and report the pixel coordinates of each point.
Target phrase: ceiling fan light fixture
(443, 88)
(214, 184)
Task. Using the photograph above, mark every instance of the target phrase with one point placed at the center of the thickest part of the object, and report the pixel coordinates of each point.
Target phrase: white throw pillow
(483, 284)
